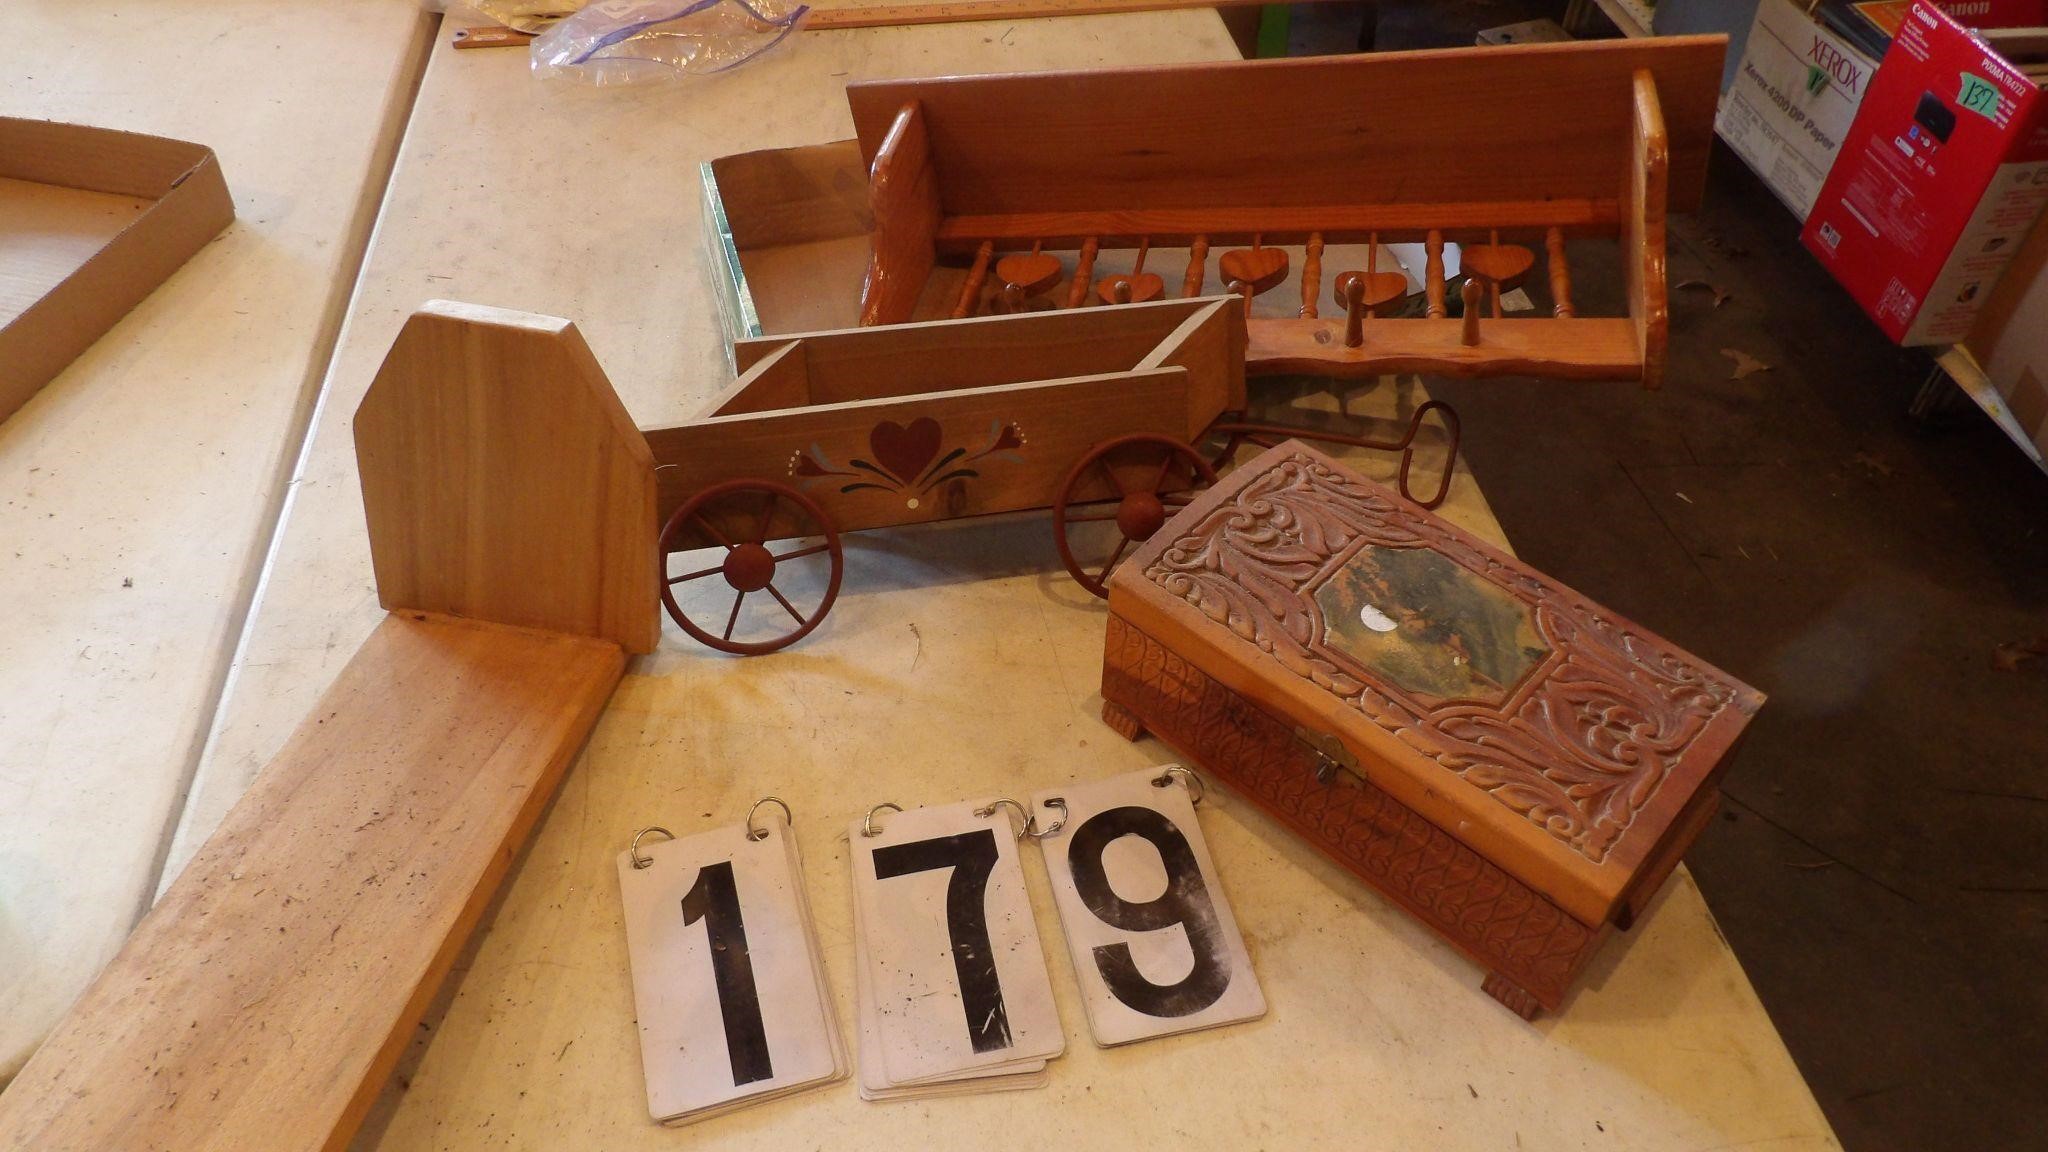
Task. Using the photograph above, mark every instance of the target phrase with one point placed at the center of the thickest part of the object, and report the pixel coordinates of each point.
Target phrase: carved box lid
(1554, 737)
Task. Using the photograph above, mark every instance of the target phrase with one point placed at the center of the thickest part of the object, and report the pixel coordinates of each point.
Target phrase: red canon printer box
(1940, 177)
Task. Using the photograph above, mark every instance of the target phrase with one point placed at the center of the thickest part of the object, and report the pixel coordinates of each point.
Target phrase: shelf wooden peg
(1560, 275)
(1354, 312)
(1474, 296)
(1433, 275)
(1138, 287)
(1312, 276)
(1198, 269)
(970, 292)
(1084, 275)
(1259, 267)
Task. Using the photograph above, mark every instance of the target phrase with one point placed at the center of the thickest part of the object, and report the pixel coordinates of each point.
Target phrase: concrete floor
(1881, 866)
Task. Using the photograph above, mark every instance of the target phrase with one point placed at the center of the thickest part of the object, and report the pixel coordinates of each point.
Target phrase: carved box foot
(1517, 998)
(1123, 720)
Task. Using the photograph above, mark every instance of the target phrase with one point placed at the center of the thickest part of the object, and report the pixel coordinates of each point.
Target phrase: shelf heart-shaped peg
(1502, 264)
(1031, 272)
(1258, 266)
(1379, 288)
(1135, 288)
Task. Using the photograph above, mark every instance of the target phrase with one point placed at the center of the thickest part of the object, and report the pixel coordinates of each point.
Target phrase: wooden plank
(896, 15)
(944, 355)
(1516, 123)
(1583, 348)
(773, 374)
(503, 480)
(1339, 223)
(268, 995)
(782, 196)
(903, 198)
(1210, 344)
(1642, 238)
(1017, 440)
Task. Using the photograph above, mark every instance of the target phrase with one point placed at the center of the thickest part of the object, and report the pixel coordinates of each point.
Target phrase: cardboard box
(1944, 171)
(2010, 342)
(1793, 100)
(91, 220)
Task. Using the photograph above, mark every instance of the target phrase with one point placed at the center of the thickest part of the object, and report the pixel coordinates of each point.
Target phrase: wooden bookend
(503, 480)
(903, 196)
(266, 998)
(1642, 227)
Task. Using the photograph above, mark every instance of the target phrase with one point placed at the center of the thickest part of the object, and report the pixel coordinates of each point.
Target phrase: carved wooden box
(1508, 761)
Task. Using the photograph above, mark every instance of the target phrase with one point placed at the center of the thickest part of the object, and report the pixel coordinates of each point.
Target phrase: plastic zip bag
(642, 41)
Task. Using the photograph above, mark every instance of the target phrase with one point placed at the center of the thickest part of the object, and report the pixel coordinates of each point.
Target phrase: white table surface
(958, 662)
(138, 490)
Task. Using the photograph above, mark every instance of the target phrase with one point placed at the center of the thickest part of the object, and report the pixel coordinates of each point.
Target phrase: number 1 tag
(726, 979)
(1155, 947)
(956, 976)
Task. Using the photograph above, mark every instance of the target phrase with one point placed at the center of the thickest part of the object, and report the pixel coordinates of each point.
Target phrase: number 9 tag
(1155, 947)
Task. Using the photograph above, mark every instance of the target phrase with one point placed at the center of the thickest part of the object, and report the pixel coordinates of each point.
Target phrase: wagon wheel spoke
(738, 599)
(1113, 558)
(784, 601)
(1165, 466)
(800, 553)
(767, 517)
(697, 575)
(711, 530)
(1102, 462)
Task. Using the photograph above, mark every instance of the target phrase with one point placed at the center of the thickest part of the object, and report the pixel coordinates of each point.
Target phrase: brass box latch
(1331, 755)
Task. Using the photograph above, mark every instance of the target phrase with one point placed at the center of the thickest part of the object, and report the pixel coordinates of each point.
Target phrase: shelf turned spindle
(1560, 275)
(1084, 275)
(1312, 276)
(1198, 256)
(1433, 275)
(970, 292)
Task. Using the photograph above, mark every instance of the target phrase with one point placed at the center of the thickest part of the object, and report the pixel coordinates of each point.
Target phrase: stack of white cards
(1155, 946)
(727, 978)
(951, 989)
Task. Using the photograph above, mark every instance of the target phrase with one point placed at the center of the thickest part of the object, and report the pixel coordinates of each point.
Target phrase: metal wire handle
(640, 861)
(867, 823)
(788, 817)
(1196, 787)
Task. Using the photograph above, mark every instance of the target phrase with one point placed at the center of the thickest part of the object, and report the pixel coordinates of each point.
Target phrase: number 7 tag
(1155, 947)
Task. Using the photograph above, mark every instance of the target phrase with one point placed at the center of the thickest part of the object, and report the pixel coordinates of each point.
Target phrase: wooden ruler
(894, 15)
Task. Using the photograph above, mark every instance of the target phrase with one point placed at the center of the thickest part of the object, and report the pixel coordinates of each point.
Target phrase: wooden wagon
(1111, 418)
(1284, 180)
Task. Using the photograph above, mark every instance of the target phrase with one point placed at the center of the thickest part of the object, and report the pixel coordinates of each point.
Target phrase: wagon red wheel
(1152, 478)
(743, 517)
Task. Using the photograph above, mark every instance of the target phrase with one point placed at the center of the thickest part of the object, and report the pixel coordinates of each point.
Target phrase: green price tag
(1816, 80)
(1979, 96)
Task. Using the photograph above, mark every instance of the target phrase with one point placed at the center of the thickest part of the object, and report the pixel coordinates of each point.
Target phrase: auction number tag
(956, 974)
(1155, 947)
(726, 980)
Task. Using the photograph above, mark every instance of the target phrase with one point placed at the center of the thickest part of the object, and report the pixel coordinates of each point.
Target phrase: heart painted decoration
(1380, 287)
(1259, 267)
(905, 452)
(1144, 286)
(1031, 271)
(1502, 264)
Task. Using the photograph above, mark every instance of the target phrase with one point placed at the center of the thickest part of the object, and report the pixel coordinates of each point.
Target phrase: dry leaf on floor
(1875, 465)
(1720, 297)
(1744, 363)
(2009, 657)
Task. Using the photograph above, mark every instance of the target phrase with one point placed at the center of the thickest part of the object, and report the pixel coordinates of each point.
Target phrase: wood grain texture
(1119, 226)
(265, 999)
(1502, 924)
(503, 480)
(1648, 185)
(1210, 345)
(1571, 774)
(1585, 348)
(773, 374)
(1014, 442)
(903, 199)
(784, 196)
(1292, 133)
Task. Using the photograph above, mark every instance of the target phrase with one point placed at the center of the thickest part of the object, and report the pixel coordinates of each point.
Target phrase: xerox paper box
(1792, 102)
(1943, 172)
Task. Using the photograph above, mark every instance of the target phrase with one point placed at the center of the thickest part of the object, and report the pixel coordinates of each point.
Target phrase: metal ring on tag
(1196, 788)
(640, 861)
(788, 817)
(1022, 813)
(867, 823)
(1031, 827)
